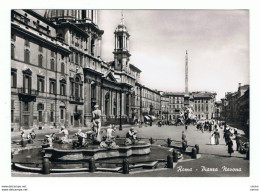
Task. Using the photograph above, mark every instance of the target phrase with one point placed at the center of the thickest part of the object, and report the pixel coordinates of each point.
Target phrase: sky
(217, 42)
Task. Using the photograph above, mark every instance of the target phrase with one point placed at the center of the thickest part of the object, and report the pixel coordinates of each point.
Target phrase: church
(58, 75)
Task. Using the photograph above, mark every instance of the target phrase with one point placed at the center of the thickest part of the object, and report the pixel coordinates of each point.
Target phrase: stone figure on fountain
(131, 137)
(109, 141)
(96, 119)
(65, 138)
(81, 142)
(48, 141)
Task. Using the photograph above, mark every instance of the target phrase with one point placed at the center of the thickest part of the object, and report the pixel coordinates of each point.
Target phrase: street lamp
(120, 119)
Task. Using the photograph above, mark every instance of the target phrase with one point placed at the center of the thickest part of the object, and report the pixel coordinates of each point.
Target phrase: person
(184, 145)
(212, 139)
(238, 142)
(23, 135)
(230, 146)
(65, 132)
(216, 136)
(183, 136)
(32, 134)
(227, 135)
(96, 119)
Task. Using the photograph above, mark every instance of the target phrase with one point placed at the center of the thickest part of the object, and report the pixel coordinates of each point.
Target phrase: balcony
(76, 100)
(27, 94)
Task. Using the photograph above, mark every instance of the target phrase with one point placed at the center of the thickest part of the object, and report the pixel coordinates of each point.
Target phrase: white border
(64, 184)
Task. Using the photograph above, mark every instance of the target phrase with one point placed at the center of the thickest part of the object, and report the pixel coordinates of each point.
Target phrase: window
(27, 56)
(13, 37)
(12, 116)
(62, 89)
(62, 113)
(76, 58)
(52, 54)
(92, 46)
(12, 51)
(52, 65)
(77, 87)
(40, 60)
(52, 87)
(52, 113)
(26, 43)
(12, 111)
(27, 84)
(40, 116)
(62, 68)
(120, 39)
(25, 106)
(40, 84)
(72, 57)
(80, 60)
(83, 14)
(40, 48)
(93, 91)
(13, 79)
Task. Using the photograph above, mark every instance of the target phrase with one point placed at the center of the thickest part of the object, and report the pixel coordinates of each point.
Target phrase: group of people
(207, 125)
(228, 133)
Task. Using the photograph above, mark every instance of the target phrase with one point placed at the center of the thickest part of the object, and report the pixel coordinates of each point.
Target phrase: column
(123, 103)
(87, 98)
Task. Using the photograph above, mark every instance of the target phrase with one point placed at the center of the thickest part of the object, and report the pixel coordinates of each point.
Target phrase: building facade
(57, 73)
(202, 104)
(235, 105)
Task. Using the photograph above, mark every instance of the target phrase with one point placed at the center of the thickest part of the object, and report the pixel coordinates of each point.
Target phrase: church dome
(63, 15)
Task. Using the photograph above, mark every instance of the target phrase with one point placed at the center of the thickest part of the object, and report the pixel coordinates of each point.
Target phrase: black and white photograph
(160, 97)
(103, 91)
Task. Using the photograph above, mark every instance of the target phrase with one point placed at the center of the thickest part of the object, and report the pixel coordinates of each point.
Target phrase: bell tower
(121, 51)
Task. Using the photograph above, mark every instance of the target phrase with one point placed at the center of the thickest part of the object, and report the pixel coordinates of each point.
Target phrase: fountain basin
(97, 153)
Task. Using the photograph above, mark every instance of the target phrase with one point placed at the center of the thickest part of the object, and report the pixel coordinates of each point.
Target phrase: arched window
(120, 39)
(27, 56)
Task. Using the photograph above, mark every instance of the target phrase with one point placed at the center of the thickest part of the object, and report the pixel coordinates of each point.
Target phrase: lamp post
(120, 119)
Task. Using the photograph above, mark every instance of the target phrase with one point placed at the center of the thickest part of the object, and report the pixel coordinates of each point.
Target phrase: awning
(152, 117)
(146, 117)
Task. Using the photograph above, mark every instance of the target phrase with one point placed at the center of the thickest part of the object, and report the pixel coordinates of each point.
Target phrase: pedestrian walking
(184, 145)
(230, 147)
(212, 140)
(238, 142)
(183, 136)
(216, 136)
(227, 135)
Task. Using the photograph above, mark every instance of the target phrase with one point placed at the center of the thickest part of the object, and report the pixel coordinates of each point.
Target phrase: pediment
(109, 76)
